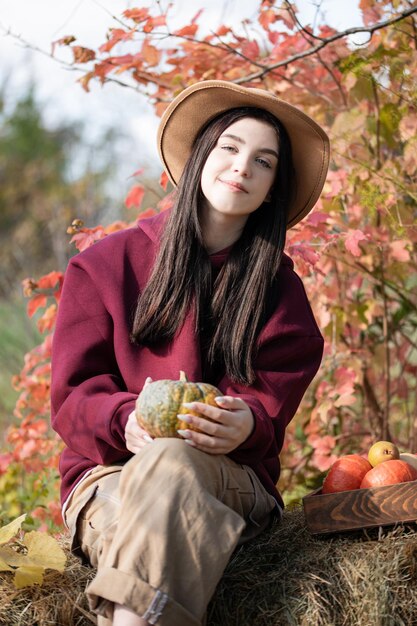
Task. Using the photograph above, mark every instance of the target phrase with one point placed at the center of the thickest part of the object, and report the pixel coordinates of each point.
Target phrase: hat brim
(198, 104)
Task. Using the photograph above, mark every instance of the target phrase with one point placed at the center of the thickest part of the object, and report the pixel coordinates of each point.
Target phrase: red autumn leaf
(150, 54)
(250, 49)
(87, 237)
(352, 240)
(164, 180)
(152, 22)
(267, 18)
(35, 303)
(102, 69)
(135, 196)
(64, 41)
(187, 31)
(117, 35)
(137, 15)
(222, 31)
(307, 253)
(285, 16)
(50, 280)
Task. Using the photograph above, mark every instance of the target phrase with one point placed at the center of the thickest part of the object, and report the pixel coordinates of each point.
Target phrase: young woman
(204, 288)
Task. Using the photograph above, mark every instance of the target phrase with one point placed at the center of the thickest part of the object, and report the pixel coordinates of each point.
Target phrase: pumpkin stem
(183, 377)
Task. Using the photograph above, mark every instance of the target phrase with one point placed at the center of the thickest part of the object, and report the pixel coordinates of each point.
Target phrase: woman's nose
(241, 165)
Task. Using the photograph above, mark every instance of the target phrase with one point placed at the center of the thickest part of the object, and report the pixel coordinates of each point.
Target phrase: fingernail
(220, 399)
(183, 433)
(188, 405)
(184, 418)
(147, 438)
(190, 442)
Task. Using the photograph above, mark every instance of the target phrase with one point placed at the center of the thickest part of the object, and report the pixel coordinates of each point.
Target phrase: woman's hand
(136, 437)
(232, 423)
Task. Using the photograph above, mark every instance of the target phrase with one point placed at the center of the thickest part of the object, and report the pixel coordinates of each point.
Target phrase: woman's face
(240, 170)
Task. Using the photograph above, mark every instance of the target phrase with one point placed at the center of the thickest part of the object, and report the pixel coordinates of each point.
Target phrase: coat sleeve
(289, 355)
(90, 404)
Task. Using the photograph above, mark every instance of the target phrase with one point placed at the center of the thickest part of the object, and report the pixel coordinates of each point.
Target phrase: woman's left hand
(229, 425)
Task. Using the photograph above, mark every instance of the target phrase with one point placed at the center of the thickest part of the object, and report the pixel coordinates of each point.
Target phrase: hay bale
(284, 578)
(59, 601)
(290, 578)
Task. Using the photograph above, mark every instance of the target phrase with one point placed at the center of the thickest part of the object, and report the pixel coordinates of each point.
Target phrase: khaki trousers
(160, 529)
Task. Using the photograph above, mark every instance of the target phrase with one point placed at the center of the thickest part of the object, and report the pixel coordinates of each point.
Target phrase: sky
(40, 22)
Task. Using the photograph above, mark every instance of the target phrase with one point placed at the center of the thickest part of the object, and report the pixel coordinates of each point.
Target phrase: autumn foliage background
(356, 252)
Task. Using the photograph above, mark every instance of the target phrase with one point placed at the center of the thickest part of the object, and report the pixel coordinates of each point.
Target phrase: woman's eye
(264, 163)
(228, 148)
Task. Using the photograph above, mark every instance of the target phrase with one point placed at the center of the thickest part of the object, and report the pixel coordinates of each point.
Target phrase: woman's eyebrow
(240, 140)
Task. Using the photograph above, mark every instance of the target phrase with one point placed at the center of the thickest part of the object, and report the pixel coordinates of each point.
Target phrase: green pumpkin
(159, 403)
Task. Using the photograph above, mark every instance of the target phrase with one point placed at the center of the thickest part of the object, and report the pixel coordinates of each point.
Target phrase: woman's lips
(234, 186)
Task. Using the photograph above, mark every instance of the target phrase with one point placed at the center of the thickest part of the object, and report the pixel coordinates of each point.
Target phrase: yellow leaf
(4, 567)
(13, 558)
(10, 530)
(28, 575)
(44, 551)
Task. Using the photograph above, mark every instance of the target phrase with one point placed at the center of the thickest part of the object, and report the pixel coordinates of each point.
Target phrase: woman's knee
(168, 459)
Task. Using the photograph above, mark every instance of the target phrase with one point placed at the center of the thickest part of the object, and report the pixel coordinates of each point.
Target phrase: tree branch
(325, 42)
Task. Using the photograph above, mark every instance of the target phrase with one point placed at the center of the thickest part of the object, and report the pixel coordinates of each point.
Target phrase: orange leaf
(135, 196)
(163, 181)
(187, 31)
(47, 321)
(137, 15)
(85, 80)
(150, 54)
(117, 34)
(50, 280)
(87, 237)
(83, 55)
(222, 31)
(154, 21)
(64, 41)
(267, 18)
(35, 303)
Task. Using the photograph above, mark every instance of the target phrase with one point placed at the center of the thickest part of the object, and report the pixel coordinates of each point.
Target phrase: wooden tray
(361, 508)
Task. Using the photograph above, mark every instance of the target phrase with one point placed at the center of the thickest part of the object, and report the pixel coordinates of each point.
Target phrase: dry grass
(284, 578)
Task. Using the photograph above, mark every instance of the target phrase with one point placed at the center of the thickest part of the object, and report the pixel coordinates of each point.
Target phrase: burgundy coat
(97, 373)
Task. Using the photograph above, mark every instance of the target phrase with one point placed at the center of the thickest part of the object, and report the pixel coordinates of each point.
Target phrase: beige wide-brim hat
(198, 104)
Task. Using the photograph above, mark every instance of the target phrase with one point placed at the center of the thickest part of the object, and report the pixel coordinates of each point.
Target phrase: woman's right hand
(136, 437)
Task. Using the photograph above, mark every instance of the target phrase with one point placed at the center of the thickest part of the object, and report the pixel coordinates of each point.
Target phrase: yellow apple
(383, 451)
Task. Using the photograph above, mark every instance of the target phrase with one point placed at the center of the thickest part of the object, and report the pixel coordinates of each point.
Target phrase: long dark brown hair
(232, 309)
